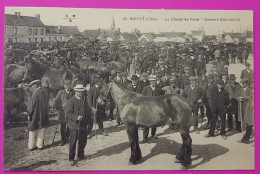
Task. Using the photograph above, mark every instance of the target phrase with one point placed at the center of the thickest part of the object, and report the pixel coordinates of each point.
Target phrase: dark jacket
(76, 107)
(193, 95)
(248, 75)
(38, 108)
(59, 103)
(148, 91)
(137, 89)
(207, 99)
(93, 96)
(184, 81)
(220, 100)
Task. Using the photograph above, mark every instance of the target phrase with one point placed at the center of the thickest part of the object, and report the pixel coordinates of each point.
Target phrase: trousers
(75, 136)
(40, 136)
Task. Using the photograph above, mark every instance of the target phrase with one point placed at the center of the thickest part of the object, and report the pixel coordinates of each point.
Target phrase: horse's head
(104, 90)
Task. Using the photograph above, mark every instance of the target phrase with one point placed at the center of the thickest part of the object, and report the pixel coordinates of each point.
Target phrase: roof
(69, 30)
(197, 32)
(236, 35)
(249, 34)
(209, 38)
(91, 33)
(130, 37)
(148, 36)
(23, 21)
(52, 29)
(173, 34)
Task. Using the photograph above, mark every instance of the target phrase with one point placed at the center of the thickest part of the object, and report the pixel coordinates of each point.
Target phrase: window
(36, 31)
(49, 39)
(30, 39)
(29, 31)
(15, 30)
(41, 39)
(15, 40)
(42, 31)
(35, 39)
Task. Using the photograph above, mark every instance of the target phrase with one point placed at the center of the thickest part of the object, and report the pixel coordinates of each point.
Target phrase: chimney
(38, 16)
(18, 14)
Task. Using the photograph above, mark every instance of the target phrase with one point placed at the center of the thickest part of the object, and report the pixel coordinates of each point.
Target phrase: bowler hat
(244, 80)
(220, 82)
(232, 77)
(134, 77)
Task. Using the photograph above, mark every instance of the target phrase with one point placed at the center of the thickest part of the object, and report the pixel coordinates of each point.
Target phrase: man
(171, 88)
(208, 98)
(202, 83)
(79, 118)
(243, 99)
(214, 69)
(38, 108)
(144, 82)
(249, 118)
(60, 101)
(194, 94)
(217, 55)
(98, 109)
(159, 83)
(248, 74)
(134, 86)
(220, 101)
(151, 90)
(233, 89)
(184, 81)
(136, 63)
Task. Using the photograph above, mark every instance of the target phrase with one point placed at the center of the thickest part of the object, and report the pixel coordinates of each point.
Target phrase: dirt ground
(112, 152)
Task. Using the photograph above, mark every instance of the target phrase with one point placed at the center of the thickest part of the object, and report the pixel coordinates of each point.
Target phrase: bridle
(109, 88)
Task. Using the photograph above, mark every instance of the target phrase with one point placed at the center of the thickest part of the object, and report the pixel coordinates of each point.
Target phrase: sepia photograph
(88, 89)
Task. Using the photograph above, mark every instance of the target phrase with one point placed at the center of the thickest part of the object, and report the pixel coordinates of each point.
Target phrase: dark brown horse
(137, 110)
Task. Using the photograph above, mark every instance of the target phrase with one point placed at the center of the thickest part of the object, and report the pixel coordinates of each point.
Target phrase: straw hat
(79, 87)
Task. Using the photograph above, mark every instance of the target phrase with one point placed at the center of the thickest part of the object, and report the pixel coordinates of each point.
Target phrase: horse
(136, 110)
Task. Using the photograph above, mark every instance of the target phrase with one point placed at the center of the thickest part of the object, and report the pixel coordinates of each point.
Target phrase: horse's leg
(184, 155)
(132, 132)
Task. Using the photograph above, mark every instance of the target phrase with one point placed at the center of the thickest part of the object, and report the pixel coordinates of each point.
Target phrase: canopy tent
(228, 39)
(161, 39)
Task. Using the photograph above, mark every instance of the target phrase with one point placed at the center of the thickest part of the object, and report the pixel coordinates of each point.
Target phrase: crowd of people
(151, 70)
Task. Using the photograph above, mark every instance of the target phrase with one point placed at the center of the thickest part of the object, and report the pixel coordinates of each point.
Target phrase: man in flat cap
(220, 102)
(59, 103)
(233, 89)
(38, 108)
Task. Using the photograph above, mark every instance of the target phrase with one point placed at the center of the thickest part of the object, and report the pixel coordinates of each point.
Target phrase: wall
(23, 34)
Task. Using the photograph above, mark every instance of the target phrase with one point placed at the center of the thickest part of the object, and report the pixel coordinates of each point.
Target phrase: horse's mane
(124, 88)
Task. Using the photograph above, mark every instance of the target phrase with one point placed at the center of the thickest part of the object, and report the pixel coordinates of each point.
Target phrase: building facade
(24, 28)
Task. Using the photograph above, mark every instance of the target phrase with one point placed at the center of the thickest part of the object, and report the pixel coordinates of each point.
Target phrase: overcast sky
(149, 20)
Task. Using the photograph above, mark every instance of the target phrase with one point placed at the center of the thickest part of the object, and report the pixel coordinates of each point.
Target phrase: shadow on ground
(34, 166)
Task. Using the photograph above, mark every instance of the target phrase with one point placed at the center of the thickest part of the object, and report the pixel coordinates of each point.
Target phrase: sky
(212, 21)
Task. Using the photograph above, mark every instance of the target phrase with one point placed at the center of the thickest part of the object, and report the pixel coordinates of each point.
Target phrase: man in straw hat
(38, 108)
(59, 103)
(79, 118)
(150, 90)
(233, 89)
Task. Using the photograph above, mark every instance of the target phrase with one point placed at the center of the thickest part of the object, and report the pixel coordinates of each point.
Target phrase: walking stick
(77, 145)
(55, 133)
(240, 110)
